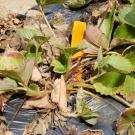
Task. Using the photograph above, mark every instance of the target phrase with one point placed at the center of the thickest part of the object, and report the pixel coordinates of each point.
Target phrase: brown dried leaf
(91, 132)
(58, 94)
(38, 126)
(95, 36)
(3, 100)
(36, 75)
(3, 127)
(38, 103)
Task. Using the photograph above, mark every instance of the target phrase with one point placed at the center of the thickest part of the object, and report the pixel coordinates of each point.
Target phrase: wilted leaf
(83, 110)
(26, 72)
(36, 75)
(95, 36)
(7, 85)
(28, 33)
(38, 103)
(107, 25)
(109, 83)
(58, 94)
(11, 60)
(126, 122)
(90, 49)
(120, 63)
(91, 132)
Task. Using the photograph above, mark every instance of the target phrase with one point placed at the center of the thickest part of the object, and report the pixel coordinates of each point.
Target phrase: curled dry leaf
(95, 36)
(36, 75)
(3, 127)
(36, 127)
(58, 94)
(91, 132)
(38, 103)
(3, 100)
(126, 122)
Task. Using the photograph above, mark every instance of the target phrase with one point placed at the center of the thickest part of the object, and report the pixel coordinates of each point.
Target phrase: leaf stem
(46, 21)
(121, 100)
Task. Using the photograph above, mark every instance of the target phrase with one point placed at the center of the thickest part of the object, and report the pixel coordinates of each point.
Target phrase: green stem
(46, 21)
(121, 100)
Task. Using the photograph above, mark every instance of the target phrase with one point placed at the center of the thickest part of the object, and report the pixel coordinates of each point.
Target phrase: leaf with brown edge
(126, 122)
(91, 132)
(11, 60)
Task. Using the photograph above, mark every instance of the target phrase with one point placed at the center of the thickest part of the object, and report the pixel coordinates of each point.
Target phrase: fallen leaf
(126, 122)
(3, 100)
(95, 36)
(40, 128)
(36, 75)
(91, 132)
(58, 94)
(36, 127)
(38, 103)
(3, 127)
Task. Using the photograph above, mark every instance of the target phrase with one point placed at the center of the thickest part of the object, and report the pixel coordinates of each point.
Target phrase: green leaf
(130, 18)
(126, 122)
(28, 33)
(107, 25)
(70, 50)
(131, 56)
(123, 12)
(109, 83)
(33, 90)
(129, 84)
(7, 85)
(120, 63)
(37, 41)
(125, 32)
(123, 35)
(83, 110)
(58, 67)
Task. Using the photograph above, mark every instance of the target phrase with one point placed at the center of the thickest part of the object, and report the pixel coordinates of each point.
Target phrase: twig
(46, 21)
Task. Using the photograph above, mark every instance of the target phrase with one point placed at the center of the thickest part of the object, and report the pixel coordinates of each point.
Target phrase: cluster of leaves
(64, 63)
(16, 67)
(117, 73)
(108, 35)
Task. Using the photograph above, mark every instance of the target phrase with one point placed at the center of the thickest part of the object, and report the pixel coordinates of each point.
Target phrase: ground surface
(16, 6)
